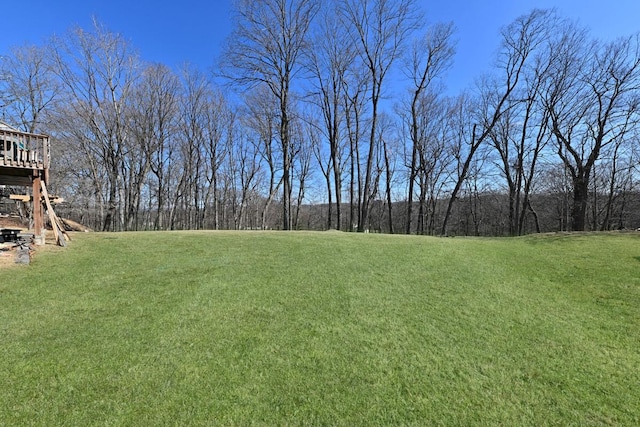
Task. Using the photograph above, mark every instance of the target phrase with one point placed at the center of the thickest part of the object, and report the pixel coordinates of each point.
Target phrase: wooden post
(38, 212)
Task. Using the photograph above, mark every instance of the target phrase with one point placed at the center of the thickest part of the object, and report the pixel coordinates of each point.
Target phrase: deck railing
(24, 150)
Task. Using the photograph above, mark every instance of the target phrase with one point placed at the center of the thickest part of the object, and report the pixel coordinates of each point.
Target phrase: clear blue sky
(174, 32)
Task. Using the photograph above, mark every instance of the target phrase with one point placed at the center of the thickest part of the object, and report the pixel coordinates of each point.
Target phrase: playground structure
(24, 161)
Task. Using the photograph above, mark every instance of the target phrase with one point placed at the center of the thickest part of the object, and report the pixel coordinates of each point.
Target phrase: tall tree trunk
(580, 199)
(286, 162)
(413, 165)
(365, 211)
(337, 180)
(387, 165)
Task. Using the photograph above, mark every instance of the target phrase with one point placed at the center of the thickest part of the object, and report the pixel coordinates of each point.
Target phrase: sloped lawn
(227, 328)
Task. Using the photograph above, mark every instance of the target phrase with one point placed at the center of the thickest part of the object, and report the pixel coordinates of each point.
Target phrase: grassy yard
(225, 328)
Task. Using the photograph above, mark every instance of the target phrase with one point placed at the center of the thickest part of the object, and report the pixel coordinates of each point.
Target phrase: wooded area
(334, 115)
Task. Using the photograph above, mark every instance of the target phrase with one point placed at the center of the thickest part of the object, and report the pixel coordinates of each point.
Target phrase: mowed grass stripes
(253, 328)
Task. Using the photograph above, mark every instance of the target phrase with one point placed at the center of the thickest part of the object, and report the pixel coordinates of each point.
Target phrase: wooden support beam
(37, 211)
(56, 224)
(22, 181)
(21, 197)
(27, 198)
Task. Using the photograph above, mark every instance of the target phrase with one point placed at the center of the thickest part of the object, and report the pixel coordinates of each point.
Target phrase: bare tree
(28, 86)
(302, 145)
(592, 102)
(429, 57)
(379, 29)
(519, 42)
(616, 177)
(220, 122)
(519, 144)
(154, 122)
(324, 160)
(389, 154)
(265, 48)
(330, 57)
(436, 121)
(98, 70)
(355, 88)
(243, 173)
(260, 121)
(192, 142)
(521, 133)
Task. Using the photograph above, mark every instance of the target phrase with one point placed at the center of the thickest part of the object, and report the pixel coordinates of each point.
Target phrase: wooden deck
(24, 150)
(24, 161)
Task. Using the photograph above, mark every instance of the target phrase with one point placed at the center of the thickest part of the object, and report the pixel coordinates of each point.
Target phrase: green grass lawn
(227, 328)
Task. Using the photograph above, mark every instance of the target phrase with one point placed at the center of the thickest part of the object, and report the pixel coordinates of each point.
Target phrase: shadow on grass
(556, 236)
(552, 237)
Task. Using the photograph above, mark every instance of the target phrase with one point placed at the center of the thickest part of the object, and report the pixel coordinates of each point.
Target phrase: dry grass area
(12, 222)
(7, 256)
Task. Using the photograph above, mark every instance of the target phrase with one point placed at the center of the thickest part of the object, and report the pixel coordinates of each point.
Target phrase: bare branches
(149, 147)
(267, 41)
(428, 58)
(29, 86)
(590, 98)
(265, 48)
(380, 29)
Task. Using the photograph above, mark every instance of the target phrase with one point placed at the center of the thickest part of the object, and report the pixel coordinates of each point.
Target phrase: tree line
(335, 115)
